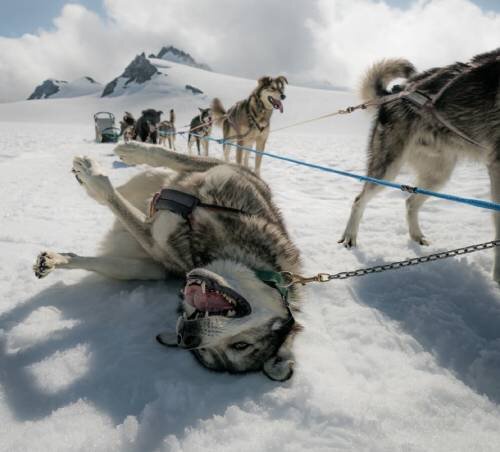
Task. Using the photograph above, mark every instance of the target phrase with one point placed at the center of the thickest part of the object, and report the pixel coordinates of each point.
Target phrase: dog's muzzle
(188, 333)
(213, 310)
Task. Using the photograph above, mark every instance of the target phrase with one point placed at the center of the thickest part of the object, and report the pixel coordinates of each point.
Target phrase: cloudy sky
(311, 41)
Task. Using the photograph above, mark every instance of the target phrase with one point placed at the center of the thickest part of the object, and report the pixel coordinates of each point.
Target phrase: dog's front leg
(494, 172)
(109, 266)
(386, 158)
(239, 152)
(157, 156)
(98, 185)
(260, 145)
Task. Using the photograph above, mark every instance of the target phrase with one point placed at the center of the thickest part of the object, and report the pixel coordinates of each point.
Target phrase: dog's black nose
(189, 341)
(283, 97)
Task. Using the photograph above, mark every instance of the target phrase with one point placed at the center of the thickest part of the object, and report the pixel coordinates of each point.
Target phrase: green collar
(276, 280)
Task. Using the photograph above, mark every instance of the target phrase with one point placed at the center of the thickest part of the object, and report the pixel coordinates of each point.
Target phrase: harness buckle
(418, 98)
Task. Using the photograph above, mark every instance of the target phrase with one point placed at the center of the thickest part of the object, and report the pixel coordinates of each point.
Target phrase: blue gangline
(407, 188)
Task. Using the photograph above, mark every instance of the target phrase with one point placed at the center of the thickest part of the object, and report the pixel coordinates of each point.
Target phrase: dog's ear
(143, 112)
(201, 109)
(167, 338)
(282, 79)
(280, 366)
(265, 81)
(159, 112)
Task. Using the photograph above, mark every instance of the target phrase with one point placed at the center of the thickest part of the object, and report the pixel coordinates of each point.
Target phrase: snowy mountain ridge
(171, 53)
(52, 88)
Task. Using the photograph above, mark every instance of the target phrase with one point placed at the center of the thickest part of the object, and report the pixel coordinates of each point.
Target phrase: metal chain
(291, 278)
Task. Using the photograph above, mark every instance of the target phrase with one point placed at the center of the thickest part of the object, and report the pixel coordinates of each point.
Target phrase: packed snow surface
(401, 361)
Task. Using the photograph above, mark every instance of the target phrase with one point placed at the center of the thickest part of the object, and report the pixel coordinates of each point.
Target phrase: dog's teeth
(206, 314)
(184, 315)
(203, 287)
(231, 313)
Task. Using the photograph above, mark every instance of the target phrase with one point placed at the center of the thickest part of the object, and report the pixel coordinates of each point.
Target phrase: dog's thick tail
(376, 79)
(218, 112)
(172, 116)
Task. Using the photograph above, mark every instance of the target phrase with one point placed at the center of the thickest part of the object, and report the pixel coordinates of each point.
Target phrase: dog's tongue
(280, 105)
(208, 301)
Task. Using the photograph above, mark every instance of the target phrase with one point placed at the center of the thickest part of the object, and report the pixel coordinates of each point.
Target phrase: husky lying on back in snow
(247, 122)
(233, 316)
(401, 133)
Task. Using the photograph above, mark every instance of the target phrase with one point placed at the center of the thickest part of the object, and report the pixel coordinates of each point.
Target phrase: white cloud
(326, 40)
(352, 35)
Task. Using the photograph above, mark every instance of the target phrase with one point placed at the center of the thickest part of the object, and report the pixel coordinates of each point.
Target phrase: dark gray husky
(201, 126)
(214, 224)
(468, 100)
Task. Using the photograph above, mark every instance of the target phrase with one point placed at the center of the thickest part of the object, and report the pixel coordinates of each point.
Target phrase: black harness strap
(182, 204)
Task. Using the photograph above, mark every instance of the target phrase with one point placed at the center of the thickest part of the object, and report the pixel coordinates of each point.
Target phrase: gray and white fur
(214, 249)
(401, 132)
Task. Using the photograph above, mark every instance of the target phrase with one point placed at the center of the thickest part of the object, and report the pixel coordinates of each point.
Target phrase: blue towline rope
(406, 188)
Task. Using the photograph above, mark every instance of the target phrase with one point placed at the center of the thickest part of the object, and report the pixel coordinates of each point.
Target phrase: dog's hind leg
(205, 148)
(110, 266)
(227, 150)
(494, 172)
(198, 145)
(385, 161)
(156, 156)
(433, 172)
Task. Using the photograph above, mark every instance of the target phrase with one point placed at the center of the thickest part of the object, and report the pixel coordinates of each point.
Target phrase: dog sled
(105, 129)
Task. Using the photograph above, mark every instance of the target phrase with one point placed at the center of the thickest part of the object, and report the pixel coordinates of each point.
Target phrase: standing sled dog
(468, 99)
(201, 126)
(247, 122)
(230, 248)
(166, 130)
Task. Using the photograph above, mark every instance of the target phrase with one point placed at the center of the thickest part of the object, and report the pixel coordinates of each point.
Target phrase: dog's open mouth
(277, 104)
(204, 297)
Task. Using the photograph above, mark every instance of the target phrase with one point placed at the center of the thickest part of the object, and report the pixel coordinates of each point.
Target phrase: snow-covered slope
(82, 86)
(402, 361)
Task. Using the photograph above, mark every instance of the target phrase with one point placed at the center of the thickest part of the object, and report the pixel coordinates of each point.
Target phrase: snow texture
(401, 361)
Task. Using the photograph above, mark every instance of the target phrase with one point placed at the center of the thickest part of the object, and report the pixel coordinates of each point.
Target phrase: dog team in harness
(215, 223)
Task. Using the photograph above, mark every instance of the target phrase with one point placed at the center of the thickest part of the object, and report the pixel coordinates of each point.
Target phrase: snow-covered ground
(401, 361)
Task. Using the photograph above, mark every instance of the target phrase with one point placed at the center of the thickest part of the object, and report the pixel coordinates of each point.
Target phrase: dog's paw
(47, 262)
(420, 239)
(88, 173)
(348, 240)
